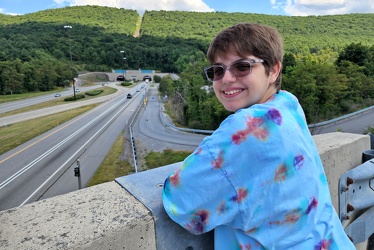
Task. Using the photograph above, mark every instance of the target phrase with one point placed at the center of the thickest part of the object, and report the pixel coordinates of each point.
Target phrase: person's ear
(275, 71)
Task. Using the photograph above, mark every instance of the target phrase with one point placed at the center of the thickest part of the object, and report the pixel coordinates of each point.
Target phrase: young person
(258, 180)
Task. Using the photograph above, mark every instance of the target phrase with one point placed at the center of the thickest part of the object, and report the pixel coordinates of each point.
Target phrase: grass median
(13, 135)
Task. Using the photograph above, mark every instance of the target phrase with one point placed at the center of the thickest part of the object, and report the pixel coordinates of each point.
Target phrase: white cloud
(142, 5)
(2, 11)
(320, 2)
(323, 7)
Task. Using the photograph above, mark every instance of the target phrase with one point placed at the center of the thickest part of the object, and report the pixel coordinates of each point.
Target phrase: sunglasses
(238, 69)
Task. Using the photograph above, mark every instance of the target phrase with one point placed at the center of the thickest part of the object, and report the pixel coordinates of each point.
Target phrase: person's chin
(231, 108)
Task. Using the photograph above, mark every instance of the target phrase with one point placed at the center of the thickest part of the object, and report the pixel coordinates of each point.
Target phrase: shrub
(126, 84)
(94, 92)
(71, 98)
(157, 79)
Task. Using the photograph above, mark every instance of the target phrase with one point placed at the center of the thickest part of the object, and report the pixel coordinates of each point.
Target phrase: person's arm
(194, 195)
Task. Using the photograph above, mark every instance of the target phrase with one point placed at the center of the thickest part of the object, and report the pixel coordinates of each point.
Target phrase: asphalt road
(149, 124)
(44, 166)
(356, 124)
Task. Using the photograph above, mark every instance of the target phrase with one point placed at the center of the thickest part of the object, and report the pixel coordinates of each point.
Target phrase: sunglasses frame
(225, 68)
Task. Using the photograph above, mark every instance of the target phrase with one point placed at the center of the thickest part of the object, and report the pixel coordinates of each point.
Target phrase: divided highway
(43, 167)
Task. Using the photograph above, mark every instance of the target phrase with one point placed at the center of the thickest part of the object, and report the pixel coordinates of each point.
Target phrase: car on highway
(77, 90)
(129, 96)
(57, 95)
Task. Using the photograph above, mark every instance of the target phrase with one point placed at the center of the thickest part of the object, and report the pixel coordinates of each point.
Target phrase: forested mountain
(110, 20)
(301, 34)
(329, 60)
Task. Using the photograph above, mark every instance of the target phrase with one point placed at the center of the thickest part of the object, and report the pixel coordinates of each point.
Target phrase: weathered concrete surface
(101, 217)
(340, 152)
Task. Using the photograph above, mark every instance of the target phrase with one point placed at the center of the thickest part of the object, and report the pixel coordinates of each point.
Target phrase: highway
(28, 172)
(9, 106)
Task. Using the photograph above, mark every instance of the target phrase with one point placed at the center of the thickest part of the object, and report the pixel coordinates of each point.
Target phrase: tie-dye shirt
(258, 181)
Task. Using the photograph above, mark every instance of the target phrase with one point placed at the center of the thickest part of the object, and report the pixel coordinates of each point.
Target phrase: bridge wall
(107, 216)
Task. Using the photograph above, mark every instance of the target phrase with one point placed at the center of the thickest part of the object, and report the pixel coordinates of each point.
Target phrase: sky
(269, 7)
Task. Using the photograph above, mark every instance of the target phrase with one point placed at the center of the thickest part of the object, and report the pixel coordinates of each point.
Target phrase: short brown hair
(244, 39)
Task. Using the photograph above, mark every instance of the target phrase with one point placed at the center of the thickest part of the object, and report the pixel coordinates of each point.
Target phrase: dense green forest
(328, 61)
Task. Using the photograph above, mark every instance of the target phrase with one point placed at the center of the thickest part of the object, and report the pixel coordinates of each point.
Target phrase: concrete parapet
(339, 153)
(107, 216)
(100, 217)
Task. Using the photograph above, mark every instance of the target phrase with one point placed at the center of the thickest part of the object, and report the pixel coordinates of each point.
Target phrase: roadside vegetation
(166, 157)
(369, 130)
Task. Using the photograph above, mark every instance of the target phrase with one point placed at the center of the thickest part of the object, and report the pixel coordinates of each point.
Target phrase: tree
(12, 79)
(289, 60)
(355, 53)
(319, 89)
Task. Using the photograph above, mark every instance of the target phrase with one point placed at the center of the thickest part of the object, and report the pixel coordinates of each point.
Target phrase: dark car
(121, 78)
(129, 96)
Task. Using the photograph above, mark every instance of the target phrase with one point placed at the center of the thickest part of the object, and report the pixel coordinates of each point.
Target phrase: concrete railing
(109, 216)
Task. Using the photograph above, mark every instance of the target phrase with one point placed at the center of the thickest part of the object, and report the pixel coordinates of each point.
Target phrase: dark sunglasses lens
(215, 73)
(240, 68)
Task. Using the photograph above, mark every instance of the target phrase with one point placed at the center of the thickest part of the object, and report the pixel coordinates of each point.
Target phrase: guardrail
(310, 126)
(198, 131)
(341, 118)
(135, 158)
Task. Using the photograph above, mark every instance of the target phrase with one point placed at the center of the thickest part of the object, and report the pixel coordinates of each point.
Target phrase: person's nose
(228, 77)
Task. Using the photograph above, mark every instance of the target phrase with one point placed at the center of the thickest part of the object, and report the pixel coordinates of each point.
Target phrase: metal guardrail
(341, 118)
(197, 131)
(310, 126)
(135, 158)
(356, 194)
